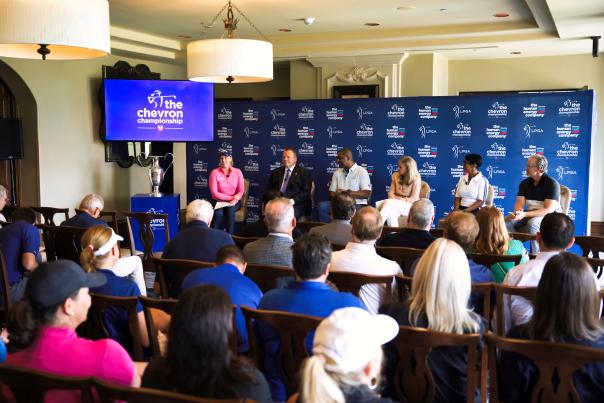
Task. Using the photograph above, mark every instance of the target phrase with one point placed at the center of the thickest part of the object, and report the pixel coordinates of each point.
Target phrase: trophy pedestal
(161, 204)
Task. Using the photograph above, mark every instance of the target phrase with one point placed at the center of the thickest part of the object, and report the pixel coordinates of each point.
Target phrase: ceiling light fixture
(56, 30)
(372, 24)
(501, 15)
(229, 59)
(285, 30)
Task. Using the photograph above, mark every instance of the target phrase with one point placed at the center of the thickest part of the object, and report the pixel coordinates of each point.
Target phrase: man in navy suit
(294, 182)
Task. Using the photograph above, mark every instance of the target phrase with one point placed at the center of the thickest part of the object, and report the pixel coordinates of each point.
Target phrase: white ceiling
(460, 29)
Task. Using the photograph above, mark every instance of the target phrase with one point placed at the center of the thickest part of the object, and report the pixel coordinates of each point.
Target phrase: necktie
(285, 180)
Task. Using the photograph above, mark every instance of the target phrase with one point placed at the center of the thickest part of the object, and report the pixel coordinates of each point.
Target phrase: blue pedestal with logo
(165, 204)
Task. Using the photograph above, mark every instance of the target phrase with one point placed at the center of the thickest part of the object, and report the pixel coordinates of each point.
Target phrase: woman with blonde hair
(347, 358)
(439, 301)
(404, 190)
(493, 238)
(100, 253)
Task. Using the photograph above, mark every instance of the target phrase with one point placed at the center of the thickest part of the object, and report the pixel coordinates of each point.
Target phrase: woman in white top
(472, 188)
(404, 190)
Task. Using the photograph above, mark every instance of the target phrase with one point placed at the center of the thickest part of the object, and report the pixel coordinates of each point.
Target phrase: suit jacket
(197, 242)
(273, 250)
(298, 187)
(409, 238)
(338, 232)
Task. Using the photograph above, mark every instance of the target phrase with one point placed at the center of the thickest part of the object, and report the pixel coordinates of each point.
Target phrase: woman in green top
(494, 239)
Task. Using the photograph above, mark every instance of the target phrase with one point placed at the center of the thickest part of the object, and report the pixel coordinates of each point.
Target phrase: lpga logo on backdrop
(306, 149)
(278, 131)
(225, 114)
(275, 148)
(498, 110)
(248, 131)
(462, 130)
(391, 169)
(494, 170)
(568, 130)
(428, 112)
(251, 115)
(497, 151)
(306, 113)
(564, 171)
(198, 148)
(459, 150)
(396, 112)
(530, 130)
(362, 112)
(396, 149)
(459, 110)
(276, 113)
(425, 130)
(568, 150)
(332, 131)
(570, 107)
(363, 150)
(365, 130)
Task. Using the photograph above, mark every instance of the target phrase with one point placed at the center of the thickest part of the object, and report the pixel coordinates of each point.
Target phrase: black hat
(51, 283)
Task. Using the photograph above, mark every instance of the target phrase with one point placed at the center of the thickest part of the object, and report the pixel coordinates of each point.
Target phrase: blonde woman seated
(404, 190)
(439, 301)
(347, 358)
(493, 238)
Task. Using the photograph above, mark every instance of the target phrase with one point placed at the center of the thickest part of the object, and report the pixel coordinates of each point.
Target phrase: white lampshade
(246, 60)
(72, 29)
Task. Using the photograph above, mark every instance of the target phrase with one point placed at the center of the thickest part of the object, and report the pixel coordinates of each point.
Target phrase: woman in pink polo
(43, 326)
(226, 187)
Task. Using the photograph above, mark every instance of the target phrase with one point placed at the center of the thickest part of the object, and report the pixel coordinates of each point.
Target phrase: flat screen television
(159, 110)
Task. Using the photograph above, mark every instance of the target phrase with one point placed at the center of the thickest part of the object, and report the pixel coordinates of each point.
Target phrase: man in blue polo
(90, 208)
(20, 245)
(308, 295)
(228, 275)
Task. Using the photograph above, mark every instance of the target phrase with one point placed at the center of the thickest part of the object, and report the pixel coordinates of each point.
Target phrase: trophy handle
(171, 163)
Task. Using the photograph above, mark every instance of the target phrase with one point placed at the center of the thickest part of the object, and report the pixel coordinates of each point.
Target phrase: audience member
(198, 359)
(493, 238)
(360, 256)
(308, 295)
(90, 208)
(274, 249)
(100, 254)
(339, 230)
(197, 241)
(294, 182)
(439, 297)
(42, 326)
(567, 310)
(417, 232)
(20, 245)
(228, 275)
(347, 358)
(259, 228)
(4, 200)
(404, 190)
(556, 233)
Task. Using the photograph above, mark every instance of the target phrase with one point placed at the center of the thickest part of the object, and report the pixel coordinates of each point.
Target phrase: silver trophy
(157, 173)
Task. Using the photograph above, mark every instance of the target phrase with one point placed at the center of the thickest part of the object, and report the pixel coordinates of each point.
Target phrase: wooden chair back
(166, 305)
(241, 241)
(336, 247)
(62, 242)
(268, 277)
(94, 327)
(47, 214)
(182, 218)
(401, 255)
(424, 190)
(413, 379)
(552, 360)
(241, 214)
(305, 226)
(146, 235)
(172, 272)
(292, 330)
(597, 265)
(110, 393)
(107, 215)
(528, 293)
(437, 232)
(403, 287)
(488, 260)
(590, 245)
(389, 230)
(6, 297)
(565, 199)
(523, 236)
(352, 282)
(30, 386)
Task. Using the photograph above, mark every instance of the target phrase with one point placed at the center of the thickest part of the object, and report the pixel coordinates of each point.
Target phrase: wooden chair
(597, 265)
(241, 214)
(292, 330)
(169, 284)
(352, 282)
(109, 216)
(166, 305)
(62, 242)
(241, 241)
(552, 360)
(528, 293)
(565, 199)
(401, 255)
(110, 393)
(48, 213)
(336, 247)
(182, 218)
(488, 260)
(94, 327)
(305, 226)
(403, 287)
(523, 236)
(590, 245)
(413, 379)
(437, 232)
(389, 230)
(6, 297)
(268, 277)
(30, 386)
(146, 235)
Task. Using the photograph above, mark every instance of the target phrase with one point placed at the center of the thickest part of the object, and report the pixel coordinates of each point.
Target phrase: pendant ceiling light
(54, 29)
(229, 59)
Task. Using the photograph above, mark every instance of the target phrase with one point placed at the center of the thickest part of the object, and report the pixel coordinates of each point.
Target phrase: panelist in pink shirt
(226, 186)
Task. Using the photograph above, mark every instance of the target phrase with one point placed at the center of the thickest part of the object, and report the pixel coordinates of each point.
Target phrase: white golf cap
(352, 337)
(109, 244)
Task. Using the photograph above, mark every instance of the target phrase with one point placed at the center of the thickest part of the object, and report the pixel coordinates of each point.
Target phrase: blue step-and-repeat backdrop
(436, 131)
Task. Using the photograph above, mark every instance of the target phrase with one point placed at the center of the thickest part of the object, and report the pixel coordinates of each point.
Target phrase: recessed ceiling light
(406, 8)
(515, 53)
(501, 15)
(285, 30)
(443, 9)
(372, 24)
(184, 36)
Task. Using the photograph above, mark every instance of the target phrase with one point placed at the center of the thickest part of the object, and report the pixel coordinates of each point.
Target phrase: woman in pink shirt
(42, 325)
(226, 186)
